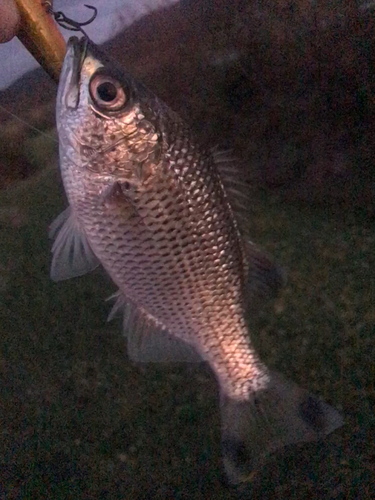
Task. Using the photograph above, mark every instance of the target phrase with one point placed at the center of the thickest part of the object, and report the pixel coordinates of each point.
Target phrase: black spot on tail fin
(235, 452)
(280, 415)
(312, 413)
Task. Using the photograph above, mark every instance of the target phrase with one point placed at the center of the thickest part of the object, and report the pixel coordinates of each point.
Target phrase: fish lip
(68, 93)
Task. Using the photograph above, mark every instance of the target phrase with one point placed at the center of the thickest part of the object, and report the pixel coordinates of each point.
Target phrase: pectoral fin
(72, 254)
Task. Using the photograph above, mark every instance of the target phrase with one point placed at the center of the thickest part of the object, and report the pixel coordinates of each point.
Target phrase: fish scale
(158, 212)
(200, 261)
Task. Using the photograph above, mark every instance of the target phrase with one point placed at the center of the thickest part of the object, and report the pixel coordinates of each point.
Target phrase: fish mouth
(69, 86)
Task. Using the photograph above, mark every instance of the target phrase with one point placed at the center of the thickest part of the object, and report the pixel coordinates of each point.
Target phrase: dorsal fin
(264, 276)
(237, 189)
(148, 340)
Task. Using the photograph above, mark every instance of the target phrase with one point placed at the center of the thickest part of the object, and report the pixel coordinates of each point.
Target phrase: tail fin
(279, 416)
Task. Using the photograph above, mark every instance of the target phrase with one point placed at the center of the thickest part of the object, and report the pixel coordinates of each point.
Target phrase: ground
(78, 420)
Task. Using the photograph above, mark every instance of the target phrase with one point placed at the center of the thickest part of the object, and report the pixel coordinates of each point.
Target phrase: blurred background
(287, 85)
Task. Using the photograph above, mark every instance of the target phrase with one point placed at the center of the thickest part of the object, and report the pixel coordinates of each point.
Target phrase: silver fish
(160, 213)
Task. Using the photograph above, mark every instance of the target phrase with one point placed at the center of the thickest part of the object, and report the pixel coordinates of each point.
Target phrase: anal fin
(147, 339)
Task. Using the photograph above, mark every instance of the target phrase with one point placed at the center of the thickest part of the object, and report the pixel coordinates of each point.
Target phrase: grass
(293, 95)
(79, 421)
(22, 154)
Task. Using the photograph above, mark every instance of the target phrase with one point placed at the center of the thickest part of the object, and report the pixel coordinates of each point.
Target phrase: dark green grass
(78, 421)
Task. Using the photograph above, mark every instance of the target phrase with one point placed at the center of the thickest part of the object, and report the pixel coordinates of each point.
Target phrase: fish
(165, 216)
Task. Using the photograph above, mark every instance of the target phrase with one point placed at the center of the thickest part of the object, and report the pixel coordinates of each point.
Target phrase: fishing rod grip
(39, 33)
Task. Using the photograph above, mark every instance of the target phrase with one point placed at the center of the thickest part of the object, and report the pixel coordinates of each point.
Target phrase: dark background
(289, 87)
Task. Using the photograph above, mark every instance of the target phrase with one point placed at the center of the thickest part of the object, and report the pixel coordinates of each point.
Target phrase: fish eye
(107, 92)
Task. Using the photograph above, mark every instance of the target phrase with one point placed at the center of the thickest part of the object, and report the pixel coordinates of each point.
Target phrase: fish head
(108, 121)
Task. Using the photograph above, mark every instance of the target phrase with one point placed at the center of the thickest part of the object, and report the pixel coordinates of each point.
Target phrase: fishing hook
(69, 24)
